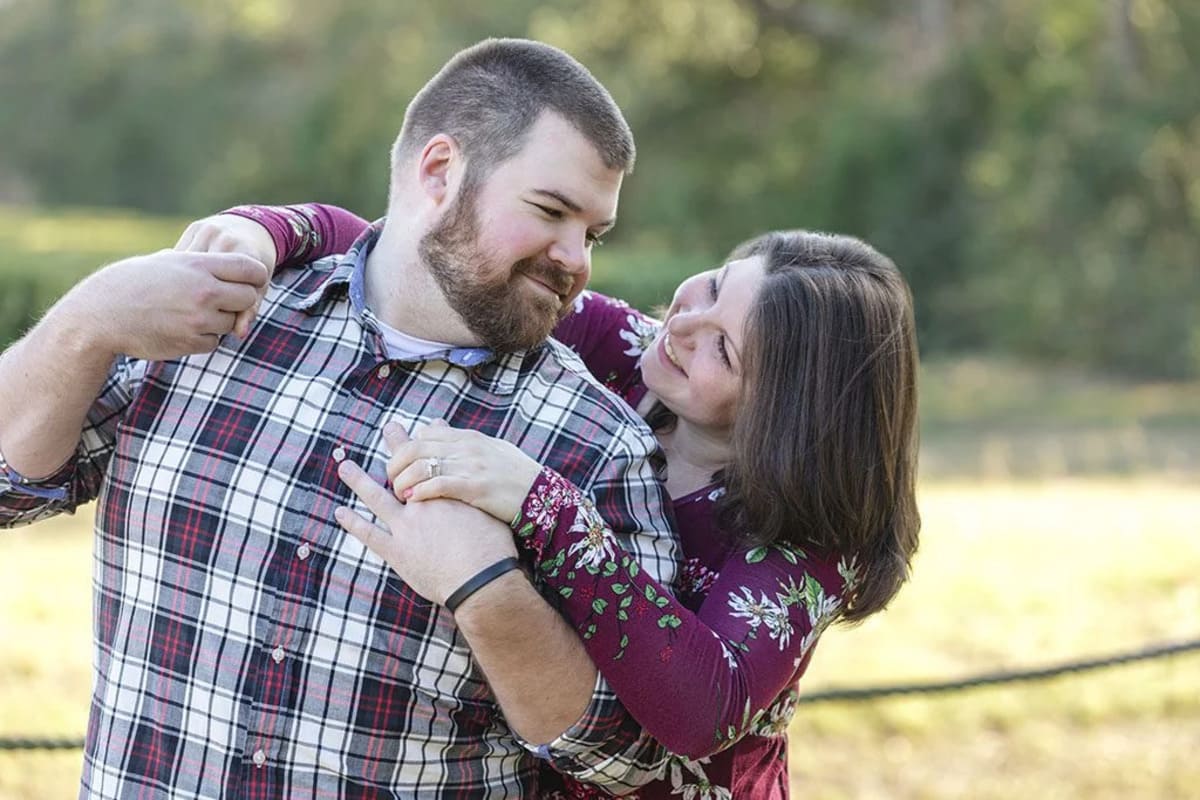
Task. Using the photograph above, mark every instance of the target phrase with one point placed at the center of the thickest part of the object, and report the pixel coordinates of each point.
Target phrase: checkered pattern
(245, 646)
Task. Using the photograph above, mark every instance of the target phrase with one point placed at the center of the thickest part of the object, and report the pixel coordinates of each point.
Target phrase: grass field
(1010, 575)
(1061, 513)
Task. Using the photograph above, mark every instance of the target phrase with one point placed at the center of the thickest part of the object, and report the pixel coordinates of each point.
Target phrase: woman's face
(694, 365)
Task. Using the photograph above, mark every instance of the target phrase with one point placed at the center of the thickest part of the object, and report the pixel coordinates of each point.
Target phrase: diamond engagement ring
(434, 465)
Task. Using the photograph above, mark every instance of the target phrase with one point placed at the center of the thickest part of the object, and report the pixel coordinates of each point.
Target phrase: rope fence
(1148, 653)
(848, 694)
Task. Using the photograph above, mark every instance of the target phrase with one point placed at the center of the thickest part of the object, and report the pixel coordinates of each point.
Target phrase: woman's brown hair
(825, 441)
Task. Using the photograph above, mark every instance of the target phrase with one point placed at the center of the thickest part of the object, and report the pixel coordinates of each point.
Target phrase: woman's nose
(683, 324)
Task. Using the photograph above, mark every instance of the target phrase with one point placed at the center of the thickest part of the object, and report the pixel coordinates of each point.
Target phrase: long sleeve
(305, 232)
(673, 668)
(609, 336)
(24, 501)
(607, 746)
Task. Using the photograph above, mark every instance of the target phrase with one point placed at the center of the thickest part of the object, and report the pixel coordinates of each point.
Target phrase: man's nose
(573, 253)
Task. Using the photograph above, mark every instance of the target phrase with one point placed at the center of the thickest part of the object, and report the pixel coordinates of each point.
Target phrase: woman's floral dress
(710, 666)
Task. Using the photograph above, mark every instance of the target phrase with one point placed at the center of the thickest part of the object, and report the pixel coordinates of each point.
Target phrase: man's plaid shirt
(245, 647)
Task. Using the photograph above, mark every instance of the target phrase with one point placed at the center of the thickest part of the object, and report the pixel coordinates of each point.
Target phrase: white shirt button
(277, 654)
(259, 758)
(339, 454)
(303, 551)
(384, 371)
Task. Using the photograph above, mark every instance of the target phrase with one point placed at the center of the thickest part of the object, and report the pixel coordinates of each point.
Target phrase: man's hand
(434, 546)
(167, 304)
(231, 233)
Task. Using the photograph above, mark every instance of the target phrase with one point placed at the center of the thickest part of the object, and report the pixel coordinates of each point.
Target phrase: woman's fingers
(445, 486)
(437, 458)
(440, 431)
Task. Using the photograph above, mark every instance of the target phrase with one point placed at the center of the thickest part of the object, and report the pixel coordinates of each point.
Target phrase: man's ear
(440, 168)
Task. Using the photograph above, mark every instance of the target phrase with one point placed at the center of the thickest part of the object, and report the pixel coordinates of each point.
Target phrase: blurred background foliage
(1033, 167)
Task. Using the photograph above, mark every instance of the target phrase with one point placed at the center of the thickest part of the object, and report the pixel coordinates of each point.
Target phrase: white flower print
(778, 716)
(702, 789)
(725, 651)
(779, 626)
(596, 546)
(640, 334)
(762, 612)
(822, 610)
(546, 503)
(849, 572)
(584, 296)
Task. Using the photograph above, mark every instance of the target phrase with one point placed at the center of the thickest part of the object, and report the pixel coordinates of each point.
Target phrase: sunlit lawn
(1014, 576)
(1010, 575)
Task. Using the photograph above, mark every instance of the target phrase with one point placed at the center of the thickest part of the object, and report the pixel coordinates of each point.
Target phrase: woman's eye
(552, 213)
(724, 351)
(595, 240)
(712, 287)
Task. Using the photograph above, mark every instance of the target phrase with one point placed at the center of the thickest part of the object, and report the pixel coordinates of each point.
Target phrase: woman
(782, 388)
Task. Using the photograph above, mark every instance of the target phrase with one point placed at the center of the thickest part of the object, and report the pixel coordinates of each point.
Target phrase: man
(247, 647)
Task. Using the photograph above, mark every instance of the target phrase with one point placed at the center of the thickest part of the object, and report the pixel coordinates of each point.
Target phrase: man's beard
(504, 315)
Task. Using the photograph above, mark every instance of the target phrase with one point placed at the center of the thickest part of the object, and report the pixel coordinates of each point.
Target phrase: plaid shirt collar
(496, 372)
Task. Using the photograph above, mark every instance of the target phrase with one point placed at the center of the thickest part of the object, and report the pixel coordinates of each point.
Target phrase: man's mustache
(546, 271)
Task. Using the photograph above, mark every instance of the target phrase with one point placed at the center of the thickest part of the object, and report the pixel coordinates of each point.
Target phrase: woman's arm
(542, 677)
(671, 668)
(668, 665)
(608, 334)
(306, 232)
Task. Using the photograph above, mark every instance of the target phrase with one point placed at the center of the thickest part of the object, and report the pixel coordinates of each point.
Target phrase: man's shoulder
(558, 368)
(296, 284)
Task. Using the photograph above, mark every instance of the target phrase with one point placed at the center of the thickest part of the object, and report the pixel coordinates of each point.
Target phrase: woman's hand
(434, 546)
(230, 233)
(440, 461)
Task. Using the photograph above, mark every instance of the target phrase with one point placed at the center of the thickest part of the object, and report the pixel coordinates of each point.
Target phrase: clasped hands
(438, 531)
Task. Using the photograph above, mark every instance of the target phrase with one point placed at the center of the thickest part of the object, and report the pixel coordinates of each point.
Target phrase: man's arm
(159, 306)
(535, 663)
(537, 667)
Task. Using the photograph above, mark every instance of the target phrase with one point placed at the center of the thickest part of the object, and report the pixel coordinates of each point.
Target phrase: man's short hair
(489, 95)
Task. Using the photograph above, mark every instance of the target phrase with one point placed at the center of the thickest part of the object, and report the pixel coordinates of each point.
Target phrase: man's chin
(522, 337)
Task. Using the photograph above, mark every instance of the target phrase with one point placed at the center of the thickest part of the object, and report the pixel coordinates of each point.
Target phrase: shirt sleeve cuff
(55, 486)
